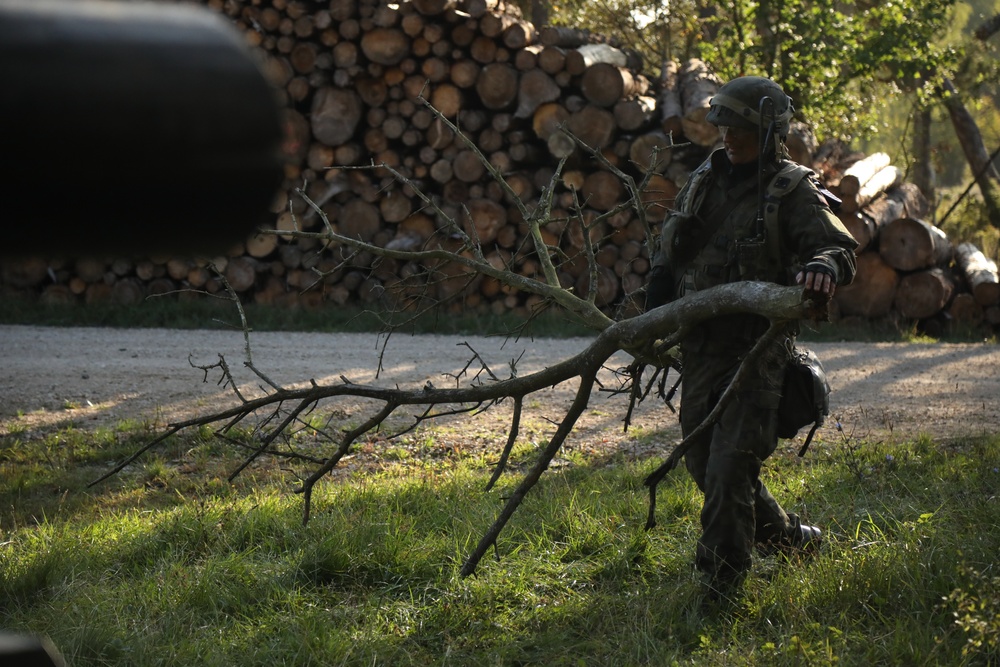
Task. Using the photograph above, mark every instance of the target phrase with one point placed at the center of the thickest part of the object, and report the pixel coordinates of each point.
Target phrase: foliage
(837, 60)
(172, 565)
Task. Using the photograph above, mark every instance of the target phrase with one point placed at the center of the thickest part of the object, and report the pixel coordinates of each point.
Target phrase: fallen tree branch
(637, 335)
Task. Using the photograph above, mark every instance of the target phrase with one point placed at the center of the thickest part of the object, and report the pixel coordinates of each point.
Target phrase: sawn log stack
(351, 73)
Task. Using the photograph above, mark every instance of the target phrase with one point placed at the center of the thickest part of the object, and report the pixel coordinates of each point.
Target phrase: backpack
(805, 397)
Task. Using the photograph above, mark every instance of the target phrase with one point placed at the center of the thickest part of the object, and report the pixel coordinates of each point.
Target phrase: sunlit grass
(169, 564)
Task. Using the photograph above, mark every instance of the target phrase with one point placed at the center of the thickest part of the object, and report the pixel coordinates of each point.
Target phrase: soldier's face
(740, 144)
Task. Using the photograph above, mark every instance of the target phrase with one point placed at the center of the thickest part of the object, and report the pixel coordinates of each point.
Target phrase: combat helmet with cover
(738, 104)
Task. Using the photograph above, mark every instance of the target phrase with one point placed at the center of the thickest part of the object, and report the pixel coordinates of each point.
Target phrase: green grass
(169, 564)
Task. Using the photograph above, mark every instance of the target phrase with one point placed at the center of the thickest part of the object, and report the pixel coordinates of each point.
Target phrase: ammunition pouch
(660, 288)
(684, 235)
(805, 396)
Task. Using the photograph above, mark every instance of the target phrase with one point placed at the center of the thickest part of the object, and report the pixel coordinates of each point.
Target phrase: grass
(169, 564)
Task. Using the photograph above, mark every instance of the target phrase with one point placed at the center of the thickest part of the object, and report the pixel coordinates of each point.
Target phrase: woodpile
(352, 76)
(907, 267)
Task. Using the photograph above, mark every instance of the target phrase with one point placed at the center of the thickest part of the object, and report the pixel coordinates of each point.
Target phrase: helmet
(741, 102)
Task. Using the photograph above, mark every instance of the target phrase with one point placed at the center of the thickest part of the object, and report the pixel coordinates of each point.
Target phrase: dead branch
(649, 338)
(484, 390)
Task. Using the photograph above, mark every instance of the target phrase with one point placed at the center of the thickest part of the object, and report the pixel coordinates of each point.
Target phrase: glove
(658, 288)
(823, 278)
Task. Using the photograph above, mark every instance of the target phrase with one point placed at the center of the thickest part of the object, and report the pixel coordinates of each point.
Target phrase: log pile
(351, 75)
(907, 267)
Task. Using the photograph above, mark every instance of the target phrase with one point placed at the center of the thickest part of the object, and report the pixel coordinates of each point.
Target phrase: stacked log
(907, 267)
(353, 76)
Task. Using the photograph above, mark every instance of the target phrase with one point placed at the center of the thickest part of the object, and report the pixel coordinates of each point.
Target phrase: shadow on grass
(189, 572)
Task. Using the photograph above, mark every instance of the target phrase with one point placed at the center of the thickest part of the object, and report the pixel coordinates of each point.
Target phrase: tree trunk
(908, 244)
(385, 46)
(698, 85)
(594, 126)
(563, 36)
(535, 89)
(861, 226)
(580, 59)
(602, 190)
(923, 169)
(241, 273)
(634, 113)
(923, 294)
(484, 220)
(963, 309)
(643, 147)
(856, 177)
(881, 182)
(980, 274)
(971, 139)
(872, 292)
(605, 84)
(671, 111)
(497, 86)
(335, 115)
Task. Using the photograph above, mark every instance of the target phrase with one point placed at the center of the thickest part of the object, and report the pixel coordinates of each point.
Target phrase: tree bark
(980, 274)
(923, 169)
(697, 86)
(971, 139)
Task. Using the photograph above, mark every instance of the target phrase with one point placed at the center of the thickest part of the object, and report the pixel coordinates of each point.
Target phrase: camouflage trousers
(725, 461)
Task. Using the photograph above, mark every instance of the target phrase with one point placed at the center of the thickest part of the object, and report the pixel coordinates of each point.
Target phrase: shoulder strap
(693, 188)
(786, 180)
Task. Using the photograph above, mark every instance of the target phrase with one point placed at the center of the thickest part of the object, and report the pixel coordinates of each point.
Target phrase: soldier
(747, 213)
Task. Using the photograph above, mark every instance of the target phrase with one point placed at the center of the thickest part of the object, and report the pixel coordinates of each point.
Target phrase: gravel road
(92, 377)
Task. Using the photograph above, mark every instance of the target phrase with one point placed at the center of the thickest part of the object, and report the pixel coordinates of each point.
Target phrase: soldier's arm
(821, 241)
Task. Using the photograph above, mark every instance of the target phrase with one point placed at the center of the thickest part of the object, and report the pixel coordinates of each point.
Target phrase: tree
(984, 172)
(649, 337)
(837, 60)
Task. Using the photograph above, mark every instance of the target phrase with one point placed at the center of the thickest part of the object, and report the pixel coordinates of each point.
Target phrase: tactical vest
(727, 256)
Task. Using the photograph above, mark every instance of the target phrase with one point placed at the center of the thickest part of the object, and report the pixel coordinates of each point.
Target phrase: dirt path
(91, 377)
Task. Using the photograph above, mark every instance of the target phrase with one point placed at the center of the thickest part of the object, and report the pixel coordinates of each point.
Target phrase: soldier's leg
(697, 398)
(728, 516)
(776, 528)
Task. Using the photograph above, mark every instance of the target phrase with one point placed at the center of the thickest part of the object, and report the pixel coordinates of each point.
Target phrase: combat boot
(807, 539)
(797, 539)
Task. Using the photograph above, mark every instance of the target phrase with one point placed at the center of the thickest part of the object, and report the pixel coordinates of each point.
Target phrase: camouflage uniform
(738, 511)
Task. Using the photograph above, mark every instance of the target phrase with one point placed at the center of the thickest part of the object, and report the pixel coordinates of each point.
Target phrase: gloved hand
(819, 278)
